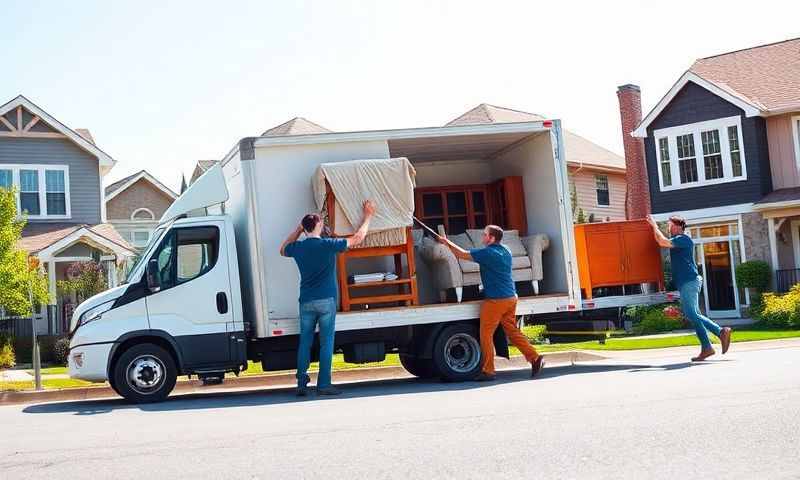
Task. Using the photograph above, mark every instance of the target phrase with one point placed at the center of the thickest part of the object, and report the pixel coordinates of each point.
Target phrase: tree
(84, 279)
(19, 275)
(581, 217)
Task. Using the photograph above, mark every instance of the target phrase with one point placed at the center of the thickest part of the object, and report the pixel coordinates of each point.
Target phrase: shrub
(7, 357)
(649, 319)
(781, 310)
(61, 351)
(535, 333)
(754, 274)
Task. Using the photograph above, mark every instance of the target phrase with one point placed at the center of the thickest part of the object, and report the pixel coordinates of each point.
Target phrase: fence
(786, 279)
(16, 327)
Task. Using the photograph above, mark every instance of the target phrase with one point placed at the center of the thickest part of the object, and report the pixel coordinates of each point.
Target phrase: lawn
(48, 384)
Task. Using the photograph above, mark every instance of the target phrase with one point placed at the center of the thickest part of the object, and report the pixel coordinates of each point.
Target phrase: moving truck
(211, 291)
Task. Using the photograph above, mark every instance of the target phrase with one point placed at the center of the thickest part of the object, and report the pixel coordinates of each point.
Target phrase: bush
(7, 357)
(754, 274)
(653, 318)
(61, 351)
(535, 333)
(782, 311)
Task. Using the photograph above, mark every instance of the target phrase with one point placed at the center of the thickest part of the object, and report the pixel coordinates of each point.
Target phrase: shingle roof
(114, 186)
(579, 150)
(781, 195)
(86, 134)
(206, 164)
(295, 126)
(38, 236)
(766, 76)
(112, 189)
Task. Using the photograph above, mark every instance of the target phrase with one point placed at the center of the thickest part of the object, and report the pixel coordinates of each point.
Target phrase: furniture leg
(459, 293)
(535, 284)
(344, 289)
(443, 296)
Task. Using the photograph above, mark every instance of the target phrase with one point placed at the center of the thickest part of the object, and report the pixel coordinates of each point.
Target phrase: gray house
(58, 173)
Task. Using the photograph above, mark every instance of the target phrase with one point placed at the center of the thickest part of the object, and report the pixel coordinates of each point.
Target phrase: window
(666, 171)
(687, 164)
(6, 179)
(712, 158)
(29, 191)
(601, 185)
(140, 238)
(699, 154)
(143, 214)
(56, 192)
(796, 131)
(187, 253)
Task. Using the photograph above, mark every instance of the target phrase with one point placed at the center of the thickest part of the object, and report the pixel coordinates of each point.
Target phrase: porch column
(51, 282)
(773, 247)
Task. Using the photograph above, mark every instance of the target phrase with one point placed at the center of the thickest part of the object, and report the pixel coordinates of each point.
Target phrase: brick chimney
(637, 199)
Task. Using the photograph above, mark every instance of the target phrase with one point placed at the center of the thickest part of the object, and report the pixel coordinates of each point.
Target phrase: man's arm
(361, 233)
(291, 238)
(661, 239)
(457, 251)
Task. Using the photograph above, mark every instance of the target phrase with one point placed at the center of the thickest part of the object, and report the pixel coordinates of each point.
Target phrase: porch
(781, 210)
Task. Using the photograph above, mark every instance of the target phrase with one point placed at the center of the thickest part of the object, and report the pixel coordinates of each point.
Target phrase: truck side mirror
(153, 283)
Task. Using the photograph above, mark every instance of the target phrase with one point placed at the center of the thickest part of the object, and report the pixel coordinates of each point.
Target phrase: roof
(762, 80)
(295, 126)
(578, 150)
(38, 236)
(200, 168)
(86, 134)
(82, 142)
(784, 197)
(121, 185)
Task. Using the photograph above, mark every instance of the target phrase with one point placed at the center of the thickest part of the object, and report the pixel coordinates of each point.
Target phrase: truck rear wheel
(419, 367)
(457, 353)
(145, 373)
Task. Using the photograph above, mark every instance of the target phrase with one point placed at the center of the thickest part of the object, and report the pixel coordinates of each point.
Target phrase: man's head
(312, 224)
(676, 225)
(492, 234)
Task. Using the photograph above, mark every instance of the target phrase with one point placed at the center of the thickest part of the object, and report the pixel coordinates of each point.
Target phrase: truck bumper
(89, 362)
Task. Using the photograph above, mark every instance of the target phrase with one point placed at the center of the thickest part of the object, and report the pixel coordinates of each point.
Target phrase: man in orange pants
(500, 305)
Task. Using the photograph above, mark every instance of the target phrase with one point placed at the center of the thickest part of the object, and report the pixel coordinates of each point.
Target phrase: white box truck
(211, 291)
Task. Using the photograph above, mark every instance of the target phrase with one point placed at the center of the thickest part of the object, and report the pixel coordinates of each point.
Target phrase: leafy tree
(85, 279)
(19, 274)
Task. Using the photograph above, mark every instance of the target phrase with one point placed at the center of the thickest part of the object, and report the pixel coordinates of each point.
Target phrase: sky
(164, 84)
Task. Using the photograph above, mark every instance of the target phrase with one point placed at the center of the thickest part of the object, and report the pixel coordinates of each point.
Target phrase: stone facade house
(135, 204)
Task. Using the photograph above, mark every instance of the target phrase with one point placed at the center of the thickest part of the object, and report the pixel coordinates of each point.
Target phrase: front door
(719, 287)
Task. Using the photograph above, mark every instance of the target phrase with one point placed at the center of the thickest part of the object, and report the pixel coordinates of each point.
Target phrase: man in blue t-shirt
(500, 306)
(316, 259)
(688, 282)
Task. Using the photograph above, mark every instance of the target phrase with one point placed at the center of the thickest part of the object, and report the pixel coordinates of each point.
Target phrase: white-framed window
(601, 187)
(140, 238)
(699, 154)
(42, 190)
(143, 214)
(796, 136)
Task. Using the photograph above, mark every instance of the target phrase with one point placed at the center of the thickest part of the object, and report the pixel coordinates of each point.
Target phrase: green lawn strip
(48, 384)
(52, 371)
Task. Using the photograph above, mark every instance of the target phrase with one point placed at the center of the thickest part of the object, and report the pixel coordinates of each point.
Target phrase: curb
(270, 381)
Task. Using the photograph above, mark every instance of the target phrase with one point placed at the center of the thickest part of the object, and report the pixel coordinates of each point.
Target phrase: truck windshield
(145, 252)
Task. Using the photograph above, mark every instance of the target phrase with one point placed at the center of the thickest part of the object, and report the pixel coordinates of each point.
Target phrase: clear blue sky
(164, 84)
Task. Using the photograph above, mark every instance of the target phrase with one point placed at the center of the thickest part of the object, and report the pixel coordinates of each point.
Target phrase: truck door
(193, 303)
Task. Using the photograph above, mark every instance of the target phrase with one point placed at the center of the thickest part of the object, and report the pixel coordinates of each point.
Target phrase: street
(653, 415)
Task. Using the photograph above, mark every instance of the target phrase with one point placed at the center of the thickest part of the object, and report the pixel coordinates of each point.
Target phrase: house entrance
(717, 253)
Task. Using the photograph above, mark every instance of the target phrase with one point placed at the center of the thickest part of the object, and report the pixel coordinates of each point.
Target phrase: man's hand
(652, 222)
(369, 208)
(442, 238)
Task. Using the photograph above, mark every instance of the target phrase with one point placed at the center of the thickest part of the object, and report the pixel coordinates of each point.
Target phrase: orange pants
(503, 312)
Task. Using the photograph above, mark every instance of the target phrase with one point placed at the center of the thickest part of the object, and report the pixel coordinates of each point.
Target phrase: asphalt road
(735, 417)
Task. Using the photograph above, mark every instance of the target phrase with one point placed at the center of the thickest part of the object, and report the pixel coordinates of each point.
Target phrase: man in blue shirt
(500, 305)
(689, 282)
(316, 259)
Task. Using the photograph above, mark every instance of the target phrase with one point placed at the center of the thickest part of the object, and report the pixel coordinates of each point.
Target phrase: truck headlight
(95, 313)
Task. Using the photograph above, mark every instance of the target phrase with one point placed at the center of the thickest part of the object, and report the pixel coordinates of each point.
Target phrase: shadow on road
(363, 389)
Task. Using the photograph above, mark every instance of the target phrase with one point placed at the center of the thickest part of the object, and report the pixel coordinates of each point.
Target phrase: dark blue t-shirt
(316, 260)
(495, 262)
(681, 256)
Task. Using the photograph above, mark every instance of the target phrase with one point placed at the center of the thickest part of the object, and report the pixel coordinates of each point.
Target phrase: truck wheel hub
(462, 353)
(145, 374)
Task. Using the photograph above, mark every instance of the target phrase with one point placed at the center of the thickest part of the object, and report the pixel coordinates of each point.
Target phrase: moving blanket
(387, 182)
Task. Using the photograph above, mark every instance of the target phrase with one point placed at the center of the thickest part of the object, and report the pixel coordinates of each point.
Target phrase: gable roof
(296, 126)
(87, 145)
(200, 168)
(39, 236)
(121, 185)
(579, 151)
(762, 80)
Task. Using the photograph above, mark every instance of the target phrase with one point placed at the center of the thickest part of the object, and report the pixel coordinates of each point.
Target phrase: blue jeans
(322, 312)
(690, 304)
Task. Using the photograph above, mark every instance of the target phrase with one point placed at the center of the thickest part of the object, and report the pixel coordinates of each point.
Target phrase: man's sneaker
(703, 355)
(331, 390)
(484, 377)
(725, 339)
(302, 386)
(537, 365)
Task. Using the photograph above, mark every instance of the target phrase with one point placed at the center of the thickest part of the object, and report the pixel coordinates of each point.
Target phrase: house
(597, 175)
(721, 149)
(58, 174)
(200, 168)
(135, 204)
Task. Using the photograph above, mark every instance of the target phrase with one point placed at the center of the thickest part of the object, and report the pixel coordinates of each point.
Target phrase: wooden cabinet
(617, 253)
(508, 197)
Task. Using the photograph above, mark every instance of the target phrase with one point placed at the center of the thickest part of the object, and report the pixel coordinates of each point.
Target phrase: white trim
(696, 129)
(773, 245)
(103, 158)
(51, 282)
(710, 213)
(71, 259)
(795, 226)
(750, 110)
(42, 179)
(77, 235)
(608, 189)
(796, 140)
(774, 205)
(143, 209)
(136, 178)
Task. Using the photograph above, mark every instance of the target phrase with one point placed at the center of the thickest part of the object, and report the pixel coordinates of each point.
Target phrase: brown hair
(679, 221)
(310, 222)
(495, 232)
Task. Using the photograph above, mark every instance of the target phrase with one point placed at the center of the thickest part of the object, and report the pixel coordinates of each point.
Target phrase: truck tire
(145, 373)
(457, 353)
(419, 367)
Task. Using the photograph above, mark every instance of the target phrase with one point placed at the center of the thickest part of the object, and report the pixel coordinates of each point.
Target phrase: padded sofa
(451, 272)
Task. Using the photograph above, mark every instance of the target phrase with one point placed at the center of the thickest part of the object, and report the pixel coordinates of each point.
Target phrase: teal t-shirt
(681, 256)
(495, 262)
(316, 260)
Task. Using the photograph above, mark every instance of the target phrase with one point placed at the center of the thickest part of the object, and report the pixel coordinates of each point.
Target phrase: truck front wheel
(419, 367)
(145, 373)
(457, 353)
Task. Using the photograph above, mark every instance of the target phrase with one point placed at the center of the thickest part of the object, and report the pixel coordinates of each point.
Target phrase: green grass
(48, 384)
(52, 371)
